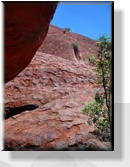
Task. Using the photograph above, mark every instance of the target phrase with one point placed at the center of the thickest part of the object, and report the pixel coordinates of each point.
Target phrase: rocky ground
(44, 103)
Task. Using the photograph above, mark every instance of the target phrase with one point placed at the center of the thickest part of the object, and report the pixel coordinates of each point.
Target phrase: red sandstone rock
(50, 78)
(60, 88)
(26, 26)
(59, 44)
(44, 130)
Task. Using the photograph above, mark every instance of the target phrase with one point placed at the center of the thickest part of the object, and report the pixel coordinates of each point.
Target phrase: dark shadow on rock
(12, 111)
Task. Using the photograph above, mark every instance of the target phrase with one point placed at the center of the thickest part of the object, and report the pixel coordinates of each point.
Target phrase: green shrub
(93, 107)
(99, 110)
(97, 113)
(66, 30)
(75, 46)
(76, 50)
(91, 59)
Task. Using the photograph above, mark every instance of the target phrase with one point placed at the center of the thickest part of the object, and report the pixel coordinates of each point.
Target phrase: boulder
(48, 130)
(26, 25)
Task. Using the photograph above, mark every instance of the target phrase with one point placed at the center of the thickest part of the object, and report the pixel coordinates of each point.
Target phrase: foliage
(75, 45)
(67, 30)
(100, 108)
(75, 48)
(96, 111)
(103, 69)
(91, 59)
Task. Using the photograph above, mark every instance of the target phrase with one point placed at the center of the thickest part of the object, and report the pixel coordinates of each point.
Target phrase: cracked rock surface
(60, 89)
(48, 97)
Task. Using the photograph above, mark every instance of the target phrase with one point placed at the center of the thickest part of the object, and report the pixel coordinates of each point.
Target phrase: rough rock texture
(43, 130)
(58, 42)
(59, 88)
(26, 25)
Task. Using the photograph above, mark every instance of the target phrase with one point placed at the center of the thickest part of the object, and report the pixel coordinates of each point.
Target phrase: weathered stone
(26, 25)
(56, 86)
(63, 44)
(39, 131)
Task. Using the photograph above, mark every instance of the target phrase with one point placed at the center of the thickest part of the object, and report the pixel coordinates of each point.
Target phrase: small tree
(100, 108)
(103, 69)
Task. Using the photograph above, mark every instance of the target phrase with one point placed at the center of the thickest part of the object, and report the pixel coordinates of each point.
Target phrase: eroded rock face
(58, 42)
(26, 26)
(46, 130)
(60, 89)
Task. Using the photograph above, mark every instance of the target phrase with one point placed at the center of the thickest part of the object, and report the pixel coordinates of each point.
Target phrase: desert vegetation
(99, 109)
(76, 50)
(67, 29)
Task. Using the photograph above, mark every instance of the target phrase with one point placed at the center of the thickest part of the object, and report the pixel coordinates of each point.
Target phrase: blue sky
(91, 19)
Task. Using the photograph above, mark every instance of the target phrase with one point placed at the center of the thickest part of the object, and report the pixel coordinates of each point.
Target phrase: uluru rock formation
(58, 42)
(48, 97)
(26, 26)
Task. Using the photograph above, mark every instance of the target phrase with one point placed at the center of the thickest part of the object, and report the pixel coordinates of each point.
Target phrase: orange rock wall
(26, 25)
